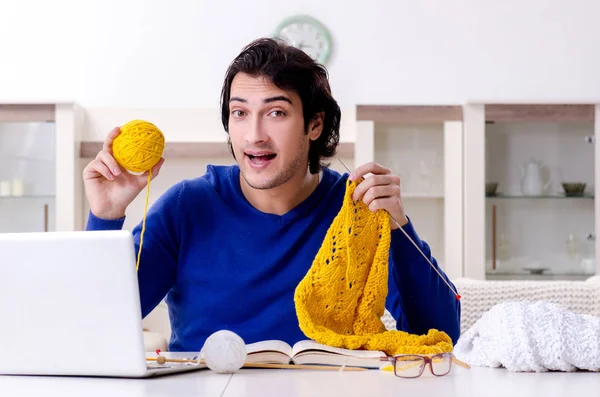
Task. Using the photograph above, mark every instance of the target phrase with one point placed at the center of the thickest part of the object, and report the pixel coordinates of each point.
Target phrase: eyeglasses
(413, 365)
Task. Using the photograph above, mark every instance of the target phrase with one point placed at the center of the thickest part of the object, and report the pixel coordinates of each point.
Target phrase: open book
(311, 352)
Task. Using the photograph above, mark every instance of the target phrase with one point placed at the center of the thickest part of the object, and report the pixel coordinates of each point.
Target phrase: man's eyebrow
(277, 98)
(266, 100)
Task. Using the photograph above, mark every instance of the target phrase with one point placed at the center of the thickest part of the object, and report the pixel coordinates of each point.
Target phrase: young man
(229, 248)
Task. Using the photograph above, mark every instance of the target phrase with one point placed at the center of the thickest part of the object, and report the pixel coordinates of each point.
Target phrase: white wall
(173, 53)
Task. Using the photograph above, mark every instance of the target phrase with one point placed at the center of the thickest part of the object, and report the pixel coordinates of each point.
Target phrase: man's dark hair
(290, 69)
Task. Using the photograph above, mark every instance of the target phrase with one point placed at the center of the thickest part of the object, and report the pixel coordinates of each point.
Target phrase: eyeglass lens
(409, 366)
(440, 365)
(413, 366)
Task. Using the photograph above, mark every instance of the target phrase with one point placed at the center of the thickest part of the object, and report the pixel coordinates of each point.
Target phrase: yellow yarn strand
(137, 264)
(138, 148)
(341, 299)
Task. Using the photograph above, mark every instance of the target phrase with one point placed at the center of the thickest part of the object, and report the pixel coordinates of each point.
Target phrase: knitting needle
(415, 244)
(162, 360)
(461, 363)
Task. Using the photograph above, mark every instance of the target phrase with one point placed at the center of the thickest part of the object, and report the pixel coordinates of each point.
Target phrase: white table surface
(480, 382)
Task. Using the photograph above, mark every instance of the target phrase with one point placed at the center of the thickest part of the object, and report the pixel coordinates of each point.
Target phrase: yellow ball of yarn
(139, 146)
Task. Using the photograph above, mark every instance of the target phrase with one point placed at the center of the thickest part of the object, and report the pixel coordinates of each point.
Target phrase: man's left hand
(380, 191)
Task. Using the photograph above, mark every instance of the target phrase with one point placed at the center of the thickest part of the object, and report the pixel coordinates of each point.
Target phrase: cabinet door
(27, 176)
(534, 192)
(423, 146)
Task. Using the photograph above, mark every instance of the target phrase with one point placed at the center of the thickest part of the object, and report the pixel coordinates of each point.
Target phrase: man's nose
(256, 131)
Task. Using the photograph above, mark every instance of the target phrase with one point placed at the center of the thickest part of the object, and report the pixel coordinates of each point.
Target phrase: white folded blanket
(531, 336)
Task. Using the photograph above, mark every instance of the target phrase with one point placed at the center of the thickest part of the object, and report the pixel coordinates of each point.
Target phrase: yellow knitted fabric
(139, 147)
(341, 299)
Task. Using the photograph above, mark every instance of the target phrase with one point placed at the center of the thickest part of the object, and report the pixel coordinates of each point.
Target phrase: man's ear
(315, 127)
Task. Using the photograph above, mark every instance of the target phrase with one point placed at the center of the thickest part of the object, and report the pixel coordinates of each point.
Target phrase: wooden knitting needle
(461, 363)
(162, 360)
(415, 244)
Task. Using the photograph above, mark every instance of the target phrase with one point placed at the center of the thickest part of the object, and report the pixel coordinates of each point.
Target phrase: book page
(269, 345)
(314, 357)
(308, 346)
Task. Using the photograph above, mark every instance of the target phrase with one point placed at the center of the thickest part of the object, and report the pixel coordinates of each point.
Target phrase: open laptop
(69, 305)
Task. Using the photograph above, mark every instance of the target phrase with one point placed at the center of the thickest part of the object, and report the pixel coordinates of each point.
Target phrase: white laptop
(69, 305)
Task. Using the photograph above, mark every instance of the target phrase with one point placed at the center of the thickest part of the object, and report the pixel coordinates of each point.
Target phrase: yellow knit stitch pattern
(341, 299)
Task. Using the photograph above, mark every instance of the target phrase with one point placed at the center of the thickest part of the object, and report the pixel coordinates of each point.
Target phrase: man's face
(266, 127)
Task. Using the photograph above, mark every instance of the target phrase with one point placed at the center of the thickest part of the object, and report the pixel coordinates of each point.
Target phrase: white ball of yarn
(224, 352)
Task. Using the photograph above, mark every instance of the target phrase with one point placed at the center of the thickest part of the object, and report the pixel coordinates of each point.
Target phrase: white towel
(532, 336)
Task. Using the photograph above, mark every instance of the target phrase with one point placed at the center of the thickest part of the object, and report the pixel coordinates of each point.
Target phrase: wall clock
(307, 34)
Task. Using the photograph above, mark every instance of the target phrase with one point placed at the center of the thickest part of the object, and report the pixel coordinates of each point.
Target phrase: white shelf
(423, 146)
(538, 277)
(194, 149)
(499, 139)
(444, 155)
(29, 197)
(411, 195)
(46, 158)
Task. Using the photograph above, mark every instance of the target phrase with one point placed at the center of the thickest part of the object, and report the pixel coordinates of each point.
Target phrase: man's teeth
(260, 156)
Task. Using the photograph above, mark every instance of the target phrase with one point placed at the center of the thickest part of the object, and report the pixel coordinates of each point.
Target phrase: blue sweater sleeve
(418, 298)
(160, 248)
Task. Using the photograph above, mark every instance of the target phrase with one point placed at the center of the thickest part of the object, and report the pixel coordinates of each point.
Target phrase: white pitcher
(532, 181)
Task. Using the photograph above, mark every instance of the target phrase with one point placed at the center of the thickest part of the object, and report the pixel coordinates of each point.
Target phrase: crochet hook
(415, 244)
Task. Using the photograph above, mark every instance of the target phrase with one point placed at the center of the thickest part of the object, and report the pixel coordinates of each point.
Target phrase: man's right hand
(110, 188)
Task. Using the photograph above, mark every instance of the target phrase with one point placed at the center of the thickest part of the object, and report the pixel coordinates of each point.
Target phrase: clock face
(307, 34)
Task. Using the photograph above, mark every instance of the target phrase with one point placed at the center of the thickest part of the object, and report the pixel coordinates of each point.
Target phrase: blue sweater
(222, 264)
